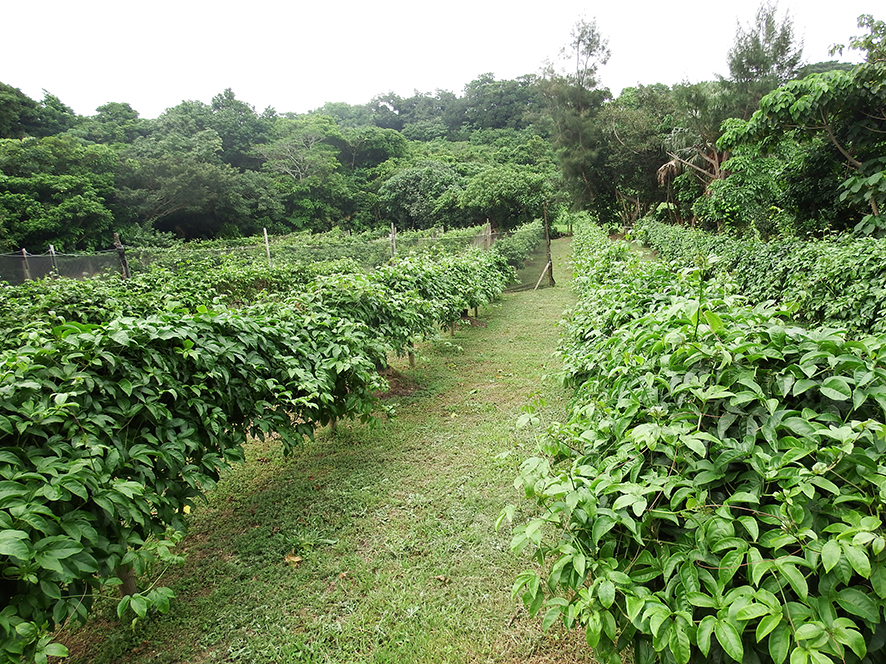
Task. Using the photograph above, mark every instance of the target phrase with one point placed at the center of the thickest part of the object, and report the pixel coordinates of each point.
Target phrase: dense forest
(776, 147)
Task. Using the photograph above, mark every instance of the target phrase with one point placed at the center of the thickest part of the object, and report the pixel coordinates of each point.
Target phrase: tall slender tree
(574, 99)
(765, 55)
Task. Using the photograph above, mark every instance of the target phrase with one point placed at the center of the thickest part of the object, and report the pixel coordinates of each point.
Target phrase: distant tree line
(733, 153)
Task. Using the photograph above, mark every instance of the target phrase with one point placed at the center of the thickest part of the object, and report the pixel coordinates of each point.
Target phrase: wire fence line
(23, 266)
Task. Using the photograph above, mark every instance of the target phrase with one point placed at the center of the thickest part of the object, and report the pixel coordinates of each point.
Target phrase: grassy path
(374, 544)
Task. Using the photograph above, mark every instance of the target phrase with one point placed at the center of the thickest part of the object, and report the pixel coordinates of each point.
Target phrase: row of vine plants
(368, 249)
(121, 402)
(717, 493)
(836, 281)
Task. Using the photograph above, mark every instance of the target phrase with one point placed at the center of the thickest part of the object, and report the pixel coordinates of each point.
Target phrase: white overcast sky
(296, 55)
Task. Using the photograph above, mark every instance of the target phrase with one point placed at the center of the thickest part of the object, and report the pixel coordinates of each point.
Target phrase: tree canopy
(499, 149)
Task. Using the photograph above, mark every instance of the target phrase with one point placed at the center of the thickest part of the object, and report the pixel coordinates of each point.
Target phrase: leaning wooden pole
(543, 272)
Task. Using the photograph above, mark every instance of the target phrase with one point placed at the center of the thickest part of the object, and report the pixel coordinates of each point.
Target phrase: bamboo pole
(26, 268)
(54, 263)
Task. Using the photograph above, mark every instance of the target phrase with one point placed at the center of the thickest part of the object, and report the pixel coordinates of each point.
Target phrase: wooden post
(26, 269)
(121, 254)
(54, 263)
(548, 245)
(267, 246)
(393, 241)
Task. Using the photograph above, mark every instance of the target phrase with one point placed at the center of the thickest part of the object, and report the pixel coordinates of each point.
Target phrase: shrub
(717, 492)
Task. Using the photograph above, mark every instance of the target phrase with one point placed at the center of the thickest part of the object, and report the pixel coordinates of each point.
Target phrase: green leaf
(606, 593)
(743, 497)
(695, 445)
(836, 388)
(27, 629)
(729, 566)
(123, 605)
(808, 632)
(803, 385)
(830, 554)
(160, 597)
(753, 610)
(680, 645)
(121, 337)
(50, 589)
(634, 606)
(858, 559)
(10, 489)
(578, 563)
(551, 616)
(795, 578)
(139, 605)
(800, 656)
(15, 543)
(56, 650)
(703, 636)
(702, 600)
(593, 629)
(758, 566)
(750, 524)
(729, 639)
(858, 603)
(49, 561)
(799, 426)
(602, 525)
(853, 639)
(644, 653)
(825, 484)
(714, 322)
(780, 643)
(767, 624)
(878, 580)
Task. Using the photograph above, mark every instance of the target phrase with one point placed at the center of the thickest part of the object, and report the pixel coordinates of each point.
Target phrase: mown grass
(374, 544)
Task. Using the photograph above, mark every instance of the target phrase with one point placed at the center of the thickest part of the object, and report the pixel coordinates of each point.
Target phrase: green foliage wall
(836, 281)
(121, 402)
(716, 493)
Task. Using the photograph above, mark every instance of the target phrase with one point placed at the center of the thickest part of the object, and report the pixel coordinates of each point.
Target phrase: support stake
(121, 254)
(548, 245)
(542, 275)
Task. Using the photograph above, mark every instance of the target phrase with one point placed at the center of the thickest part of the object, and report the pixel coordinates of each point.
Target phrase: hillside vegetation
(775, 147)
